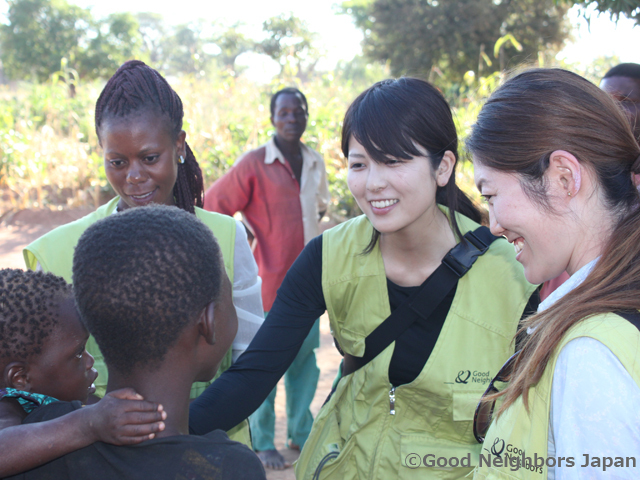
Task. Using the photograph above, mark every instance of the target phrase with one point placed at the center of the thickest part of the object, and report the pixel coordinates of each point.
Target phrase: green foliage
(232, 43)
(628, 8)
(50, 155)
(447, 38)
(39, 34)
(291, 44)
(48, 146)
(115, 40)
(595, 69)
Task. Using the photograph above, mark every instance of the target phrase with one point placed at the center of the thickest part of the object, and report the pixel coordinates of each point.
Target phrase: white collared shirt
(314, 189)
(594, 404)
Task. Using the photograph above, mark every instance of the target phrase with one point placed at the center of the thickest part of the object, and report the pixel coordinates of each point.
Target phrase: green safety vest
(355, 435)
(54, 252)
(518, 435)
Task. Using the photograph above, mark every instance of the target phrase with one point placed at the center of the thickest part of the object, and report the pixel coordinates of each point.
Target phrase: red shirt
(268, 195)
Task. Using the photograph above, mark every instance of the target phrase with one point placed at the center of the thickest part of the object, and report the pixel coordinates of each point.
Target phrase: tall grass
(50, 156)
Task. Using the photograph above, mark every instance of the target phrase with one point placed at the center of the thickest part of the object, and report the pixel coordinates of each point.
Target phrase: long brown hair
(530, 116)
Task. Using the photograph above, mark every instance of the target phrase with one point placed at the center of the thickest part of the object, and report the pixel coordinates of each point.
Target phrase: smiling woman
(409, 397)
(147, 160)
(140, 160)
(554, 157)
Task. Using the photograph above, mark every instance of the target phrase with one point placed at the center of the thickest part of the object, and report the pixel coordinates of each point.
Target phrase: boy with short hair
(151, 288)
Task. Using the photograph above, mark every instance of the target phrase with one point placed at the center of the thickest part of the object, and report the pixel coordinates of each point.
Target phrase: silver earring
(181, 159)
(569, 193)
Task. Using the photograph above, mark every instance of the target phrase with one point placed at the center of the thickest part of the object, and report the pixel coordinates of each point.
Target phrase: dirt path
(18, 229)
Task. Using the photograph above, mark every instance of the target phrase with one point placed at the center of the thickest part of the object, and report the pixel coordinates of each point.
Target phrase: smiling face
(289, 117)
(539, 237)
(393, 195)
(64, 370)
(141, 159)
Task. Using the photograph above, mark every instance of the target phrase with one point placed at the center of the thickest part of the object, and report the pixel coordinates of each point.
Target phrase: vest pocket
(325, 451)
(463, 410)
(422, 457)
(464, 405)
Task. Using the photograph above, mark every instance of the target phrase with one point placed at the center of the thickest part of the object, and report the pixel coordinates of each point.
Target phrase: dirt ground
(18, 229)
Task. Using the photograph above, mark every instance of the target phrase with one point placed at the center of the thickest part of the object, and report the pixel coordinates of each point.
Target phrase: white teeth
(383, 203)
(518, 245)
(139, 197)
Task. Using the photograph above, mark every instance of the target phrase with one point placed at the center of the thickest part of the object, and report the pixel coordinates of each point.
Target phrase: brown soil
(18, 229)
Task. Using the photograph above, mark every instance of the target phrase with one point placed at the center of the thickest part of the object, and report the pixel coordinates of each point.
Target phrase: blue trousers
(300, 382)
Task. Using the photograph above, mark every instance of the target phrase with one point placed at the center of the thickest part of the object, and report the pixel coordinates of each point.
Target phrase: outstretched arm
(242, 388)
(122, 417)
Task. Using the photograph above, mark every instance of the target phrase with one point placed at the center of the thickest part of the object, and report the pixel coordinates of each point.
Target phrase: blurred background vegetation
(56, 58)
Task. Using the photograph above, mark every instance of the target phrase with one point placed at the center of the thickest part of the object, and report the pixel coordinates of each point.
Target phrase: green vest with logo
(54, 252)
(516, 444)
(355, 435)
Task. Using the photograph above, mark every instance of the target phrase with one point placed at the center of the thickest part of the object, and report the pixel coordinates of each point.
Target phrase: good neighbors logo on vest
(475, 376)
(506, 455)
(498, 447)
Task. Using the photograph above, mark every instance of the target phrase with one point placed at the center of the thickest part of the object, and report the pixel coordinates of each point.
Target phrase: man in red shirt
(281, 189)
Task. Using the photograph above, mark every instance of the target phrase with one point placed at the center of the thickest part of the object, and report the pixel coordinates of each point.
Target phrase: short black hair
(291, 91)
(28, 310)
(631, 70)
(401, 119)
(140, 277)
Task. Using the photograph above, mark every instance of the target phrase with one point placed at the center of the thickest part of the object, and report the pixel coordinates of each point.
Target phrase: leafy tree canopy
(39, 34)
(290, 43)
(451, 37)
(628, 8)
(51, 37)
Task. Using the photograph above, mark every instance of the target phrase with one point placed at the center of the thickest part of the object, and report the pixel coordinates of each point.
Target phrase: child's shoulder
(28, 401)
(11, 413)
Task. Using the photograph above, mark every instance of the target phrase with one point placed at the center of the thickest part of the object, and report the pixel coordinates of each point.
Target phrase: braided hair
(28, 310)
(137, 88)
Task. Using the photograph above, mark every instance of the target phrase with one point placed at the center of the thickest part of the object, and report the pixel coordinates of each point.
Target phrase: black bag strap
(425, 300)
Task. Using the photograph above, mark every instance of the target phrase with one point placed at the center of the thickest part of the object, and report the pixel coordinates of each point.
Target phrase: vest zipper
(392, 401)
(382, 433)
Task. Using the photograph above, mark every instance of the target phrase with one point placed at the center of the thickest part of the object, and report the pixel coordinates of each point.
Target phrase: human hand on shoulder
(123, 417)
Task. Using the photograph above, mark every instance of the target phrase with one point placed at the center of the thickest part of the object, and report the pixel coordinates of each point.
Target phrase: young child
(151, 288)
(43, 360)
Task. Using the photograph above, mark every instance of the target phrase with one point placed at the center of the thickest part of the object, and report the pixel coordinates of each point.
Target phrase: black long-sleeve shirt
(300, 301)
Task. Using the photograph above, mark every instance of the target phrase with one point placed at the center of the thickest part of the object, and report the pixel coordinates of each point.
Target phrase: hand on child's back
(123, 417)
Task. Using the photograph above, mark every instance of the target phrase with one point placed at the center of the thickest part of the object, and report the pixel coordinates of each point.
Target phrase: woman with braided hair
(147, 160)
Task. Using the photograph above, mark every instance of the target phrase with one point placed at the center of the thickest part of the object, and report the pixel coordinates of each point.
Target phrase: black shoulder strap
(423, 302)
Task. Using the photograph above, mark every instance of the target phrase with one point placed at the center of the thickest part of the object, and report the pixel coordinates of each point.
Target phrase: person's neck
(165, 386)
(288, 149)
(591, 234)
(413, 253)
